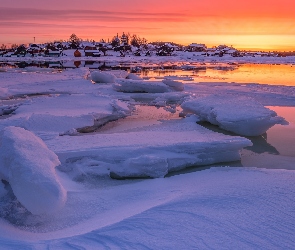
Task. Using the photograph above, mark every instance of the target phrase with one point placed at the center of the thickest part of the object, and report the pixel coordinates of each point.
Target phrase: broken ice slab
(153, 151)
(240, 115)
(61, 113)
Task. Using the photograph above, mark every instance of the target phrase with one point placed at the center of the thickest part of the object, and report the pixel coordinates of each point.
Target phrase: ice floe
(240, 115)
(141, 86)
(240, 207)
(153, 151)
(103, 77)
(61, 113)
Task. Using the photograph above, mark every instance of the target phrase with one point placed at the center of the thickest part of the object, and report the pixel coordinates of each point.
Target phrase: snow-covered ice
(103, 77)
(219, 207)
(61, 113)
(152, 151)
(175, 85)
(29, 167)
(133, 77)
(243, 116)
(140, 86)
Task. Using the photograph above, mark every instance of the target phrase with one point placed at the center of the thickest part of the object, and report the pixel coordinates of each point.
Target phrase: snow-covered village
(125, 45)
(135, 143)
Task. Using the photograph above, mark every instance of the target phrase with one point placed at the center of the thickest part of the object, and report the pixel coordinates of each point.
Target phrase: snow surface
(29, 167)
(240, 115)
(219, 208)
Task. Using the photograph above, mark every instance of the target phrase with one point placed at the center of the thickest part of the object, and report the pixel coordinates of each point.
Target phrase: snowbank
(29, 167)
(240, 115)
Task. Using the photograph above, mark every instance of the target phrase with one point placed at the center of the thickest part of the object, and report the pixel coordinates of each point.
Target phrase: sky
(249, 24)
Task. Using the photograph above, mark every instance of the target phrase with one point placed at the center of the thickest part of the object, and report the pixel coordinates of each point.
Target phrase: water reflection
(272, 74)
(260, 143)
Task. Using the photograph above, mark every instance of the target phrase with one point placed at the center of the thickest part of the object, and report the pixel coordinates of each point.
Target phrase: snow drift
(29, 166)
(240, 115)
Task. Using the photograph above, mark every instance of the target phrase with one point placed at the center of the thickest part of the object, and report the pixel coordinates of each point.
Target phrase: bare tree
(115, 41)
(137, 41)
(3, 47)
(74, 41)
(14, 46)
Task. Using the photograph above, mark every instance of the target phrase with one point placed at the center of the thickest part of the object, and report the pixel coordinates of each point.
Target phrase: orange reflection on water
(244, 73)
(257, 73)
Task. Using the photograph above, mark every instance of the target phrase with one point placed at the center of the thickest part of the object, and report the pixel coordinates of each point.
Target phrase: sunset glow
(255, 25)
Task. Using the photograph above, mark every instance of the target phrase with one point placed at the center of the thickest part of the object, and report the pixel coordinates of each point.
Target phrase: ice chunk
(58, 114)
(29, 166)
(240, 115)
(103, 77)
(133, 77)
(177, 86)
(154, 150)
(119, 73)
(137, 86)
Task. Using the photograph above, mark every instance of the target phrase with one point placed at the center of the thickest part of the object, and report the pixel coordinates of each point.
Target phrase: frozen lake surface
(135, 170)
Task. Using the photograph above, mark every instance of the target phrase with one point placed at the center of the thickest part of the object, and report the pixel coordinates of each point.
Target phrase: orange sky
(251, 24)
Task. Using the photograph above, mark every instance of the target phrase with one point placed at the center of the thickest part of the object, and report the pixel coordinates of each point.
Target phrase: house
(52, 50)
(77, 53)
(91, 51)
(34, 49)
(54, 53)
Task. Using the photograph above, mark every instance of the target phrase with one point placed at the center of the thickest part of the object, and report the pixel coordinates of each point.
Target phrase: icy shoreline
(179, 56)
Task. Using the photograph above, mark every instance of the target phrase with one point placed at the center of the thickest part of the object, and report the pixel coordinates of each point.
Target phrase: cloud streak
(30, 14)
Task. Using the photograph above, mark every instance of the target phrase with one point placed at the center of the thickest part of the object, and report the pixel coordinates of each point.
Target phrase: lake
(273, 74)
